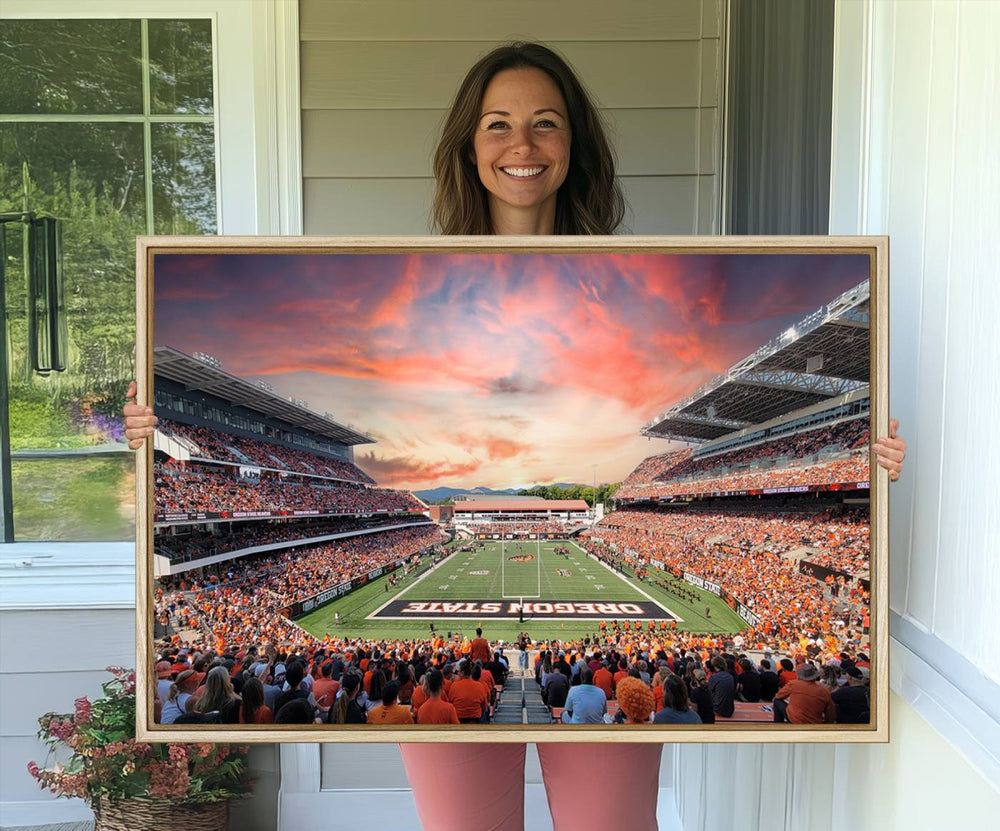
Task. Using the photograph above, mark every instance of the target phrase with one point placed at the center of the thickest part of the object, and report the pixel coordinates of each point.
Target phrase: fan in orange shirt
(434, 709)
(390, 711)
(468, 695)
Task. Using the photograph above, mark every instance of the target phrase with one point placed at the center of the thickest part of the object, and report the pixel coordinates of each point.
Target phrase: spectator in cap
(851, 700)
(805, 700)
(768, 680)
(178, 695)
(164, 678)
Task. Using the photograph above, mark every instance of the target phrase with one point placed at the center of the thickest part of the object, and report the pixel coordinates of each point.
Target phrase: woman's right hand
(139, 420)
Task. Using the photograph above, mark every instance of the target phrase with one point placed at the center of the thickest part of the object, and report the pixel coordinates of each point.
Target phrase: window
(108, 125)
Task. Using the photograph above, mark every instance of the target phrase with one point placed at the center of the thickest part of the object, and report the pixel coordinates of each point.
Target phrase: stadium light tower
(593, 507)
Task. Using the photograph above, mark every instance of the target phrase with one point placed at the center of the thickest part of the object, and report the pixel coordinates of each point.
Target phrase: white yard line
(426, 574)
(622, 577)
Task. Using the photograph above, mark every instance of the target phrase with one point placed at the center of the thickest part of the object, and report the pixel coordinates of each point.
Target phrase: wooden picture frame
(805, 278)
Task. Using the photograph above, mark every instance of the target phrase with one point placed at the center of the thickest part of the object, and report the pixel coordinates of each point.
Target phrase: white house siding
(377, 78)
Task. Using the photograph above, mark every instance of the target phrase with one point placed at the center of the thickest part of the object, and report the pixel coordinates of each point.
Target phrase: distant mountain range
(437, 494)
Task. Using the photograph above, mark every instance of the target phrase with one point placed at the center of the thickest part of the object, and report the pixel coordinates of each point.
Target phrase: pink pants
(481, 786)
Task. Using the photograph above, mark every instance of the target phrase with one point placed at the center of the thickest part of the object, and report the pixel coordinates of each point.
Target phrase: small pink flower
(178, 753)
(62, 730)
(83, 710)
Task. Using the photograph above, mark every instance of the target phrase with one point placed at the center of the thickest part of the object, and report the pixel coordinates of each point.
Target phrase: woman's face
(521, 145)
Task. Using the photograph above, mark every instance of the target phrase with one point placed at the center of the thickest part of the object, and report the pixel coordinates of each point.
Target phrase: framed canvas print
(512, 489)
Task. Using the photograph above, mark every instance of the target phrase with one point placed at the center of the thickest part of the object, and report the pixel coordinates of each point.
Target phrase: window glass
(86, 163)
(70, 66)
(180, 66)
(183, 178)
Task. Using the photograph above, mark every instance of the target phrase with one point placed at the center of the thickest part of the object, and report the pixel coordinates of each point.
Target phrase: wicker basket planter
(161, 815)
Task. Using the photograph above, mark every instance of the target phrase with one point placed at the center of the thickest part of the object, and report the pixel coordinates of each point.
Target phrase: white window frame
(259, 191)
(258, 147)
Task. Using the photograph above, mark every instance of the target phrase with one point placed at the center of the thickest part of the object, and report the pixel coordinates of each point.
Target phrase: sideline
(651, 599)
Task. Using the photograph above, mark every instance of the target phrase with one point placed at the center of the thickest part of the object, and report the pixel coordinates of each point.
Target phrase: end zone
(536, 609)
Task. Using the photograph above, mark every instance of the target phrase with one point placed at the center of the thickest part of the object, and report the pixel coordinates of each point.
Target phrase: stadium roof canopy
(823, 356)
(485, 506)
(198, 376)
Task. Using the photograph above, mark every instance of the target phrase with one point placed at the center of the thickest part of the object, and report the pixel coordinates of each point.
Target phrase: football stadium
(739, 549)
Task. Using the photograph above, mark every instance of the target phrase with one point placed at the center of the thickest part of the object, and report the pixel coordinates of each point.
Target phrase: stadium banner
(702, 583)
(318, 601)
(750, 617)
(307, 386)
(201, 516)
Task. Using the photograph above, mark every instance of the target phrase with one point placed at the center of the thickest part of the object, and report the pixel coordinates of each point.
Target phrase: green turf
(456, 578)
(453, 580)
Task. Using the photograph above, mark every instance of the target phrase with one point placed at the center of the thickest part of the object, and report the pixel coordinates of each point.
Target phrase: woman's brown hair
(590, 200)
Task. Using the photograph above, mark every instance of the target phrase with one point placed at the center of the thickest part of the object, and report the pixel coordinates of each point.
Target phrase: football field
(508, 578)
(508, 588)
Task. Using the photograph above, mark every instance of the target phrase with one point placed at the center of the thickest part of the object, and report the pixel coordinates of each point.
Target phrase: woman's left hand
(890, 451)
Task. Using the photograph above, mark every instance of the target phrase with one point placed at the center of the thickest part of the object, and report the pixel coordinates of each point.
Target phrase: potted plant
(130, 785)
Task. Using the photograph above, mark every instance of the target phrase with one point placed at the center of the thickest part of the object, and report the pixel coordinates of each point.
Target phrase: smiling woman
(521, 149)
(538, 115)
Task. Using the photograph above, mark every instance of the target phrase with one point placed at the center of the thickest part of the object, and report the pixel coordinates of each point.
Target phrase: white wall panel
(53, 641)
(906, 216)
(362, 766)
(968, 582)
(27, 695)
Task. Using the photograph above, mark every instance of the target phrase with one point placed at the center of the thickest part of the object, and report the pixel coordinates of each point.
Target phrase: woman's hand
(890, 452)
(139, 420)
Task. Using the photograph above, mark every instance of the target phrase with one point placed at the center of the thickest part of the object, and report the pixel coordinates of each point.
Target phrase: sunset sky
(503, 370)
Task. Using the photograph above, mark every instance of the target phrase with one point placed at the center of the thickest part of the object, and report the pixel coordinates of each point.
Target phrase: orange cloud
(396, 471)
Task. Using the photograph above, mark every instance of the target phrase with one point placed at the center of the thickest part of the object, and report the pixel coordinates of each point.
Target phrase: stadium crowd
(239, 536)
(677, 473)
(228, 447)
(247, 600)
(210, 490)
(454, 680)
(552, 528)
(743, 553)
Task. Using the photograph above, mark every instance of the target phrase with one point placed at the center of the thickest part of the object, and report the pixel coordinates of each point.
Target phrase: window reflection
(79, 154)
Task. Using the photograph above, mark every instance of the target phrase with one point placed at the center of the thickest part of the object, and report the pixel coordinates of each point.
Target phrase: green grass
(77, 499)
(453, 580)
